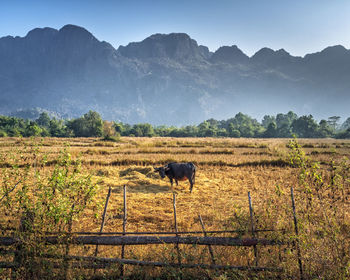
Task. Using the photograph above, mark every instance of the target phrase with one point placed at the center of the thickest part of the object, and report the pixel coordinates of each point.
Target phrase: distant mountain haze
(166, 78)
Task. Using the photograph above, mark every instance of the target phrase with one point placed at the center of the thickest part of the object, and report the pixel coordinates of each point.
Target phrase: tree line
(92, 125)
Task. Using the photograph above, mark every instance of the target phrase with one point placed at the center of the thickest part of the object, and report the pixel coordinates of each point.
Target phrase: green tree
(333, 121)
(325, 130)
(191, 131)
(142, 130)
(232, 131)
(32, 129)
(13, 126)
(90, 125)
(43, 120)
(93, 123)
(161, 130)
(345, 134)
(3, 133)
(305, 127)
(207, 128)
(222, 132)
(247, 126)
(345, 124)
(119, 127)
(284, 122)
(271, 130)
(267, 119)
(45, 132)
(57, 128)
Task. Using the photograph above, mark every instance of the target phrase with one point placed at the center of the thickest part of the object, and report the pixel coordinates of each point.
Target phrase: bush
(324, 230)
(36, 202)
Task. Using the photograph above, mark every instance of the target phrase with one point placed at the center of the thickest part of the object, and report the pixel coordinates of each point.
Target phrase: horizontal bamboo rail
(162, 232)
(8, 265)
(144, 240)
(8, 241)
(110, 261)
(98, 262)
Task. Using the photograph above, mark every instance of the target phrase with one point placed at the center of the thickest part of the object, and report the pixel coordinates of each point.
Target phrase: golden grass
(227, 170)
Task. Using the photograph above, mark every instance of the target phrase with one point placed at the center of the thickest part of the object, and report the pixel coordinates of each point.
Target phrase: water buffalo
(178, 172)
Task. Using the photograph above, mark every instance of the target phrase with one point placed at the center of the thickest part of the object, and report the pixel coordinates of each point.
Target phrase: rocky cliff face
(231, 55)
(175, 46)
(166, 78)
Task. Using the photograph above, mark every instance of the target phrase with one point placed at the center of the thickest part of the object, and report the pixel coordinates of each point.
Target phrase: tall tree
(305, 127)
(271, 130)
(43, 120)
(90, 125)
(267, 119)
(325, 130)
(345, 124)
(333, 121)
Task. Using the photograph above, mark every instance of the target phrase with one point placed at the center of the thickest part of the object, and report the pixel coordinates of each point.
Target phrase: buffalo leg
(191, 187)
(171, 182)
(176, 182)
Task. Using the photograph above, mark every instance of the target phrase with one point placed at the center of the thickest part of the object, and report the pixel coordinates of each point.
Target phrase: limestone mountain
(166, 78)
(232, 55)
(176, 46)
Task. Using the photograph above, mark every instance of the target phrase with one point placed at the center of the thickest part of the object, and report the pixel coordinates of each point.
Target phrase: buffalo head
(161, 170)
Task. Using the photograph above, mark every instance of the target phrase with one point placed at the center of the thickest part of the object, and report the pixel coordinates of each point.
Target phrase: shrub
(324, 228)
(36, 202)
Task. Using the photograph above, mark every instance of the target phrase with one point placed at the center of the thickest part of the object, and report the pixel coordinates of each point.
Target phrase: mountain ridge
(165, 78)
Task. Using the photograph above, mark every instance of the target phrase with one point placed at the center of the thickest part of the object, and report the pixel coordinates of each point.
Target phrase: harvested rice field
(227, 169)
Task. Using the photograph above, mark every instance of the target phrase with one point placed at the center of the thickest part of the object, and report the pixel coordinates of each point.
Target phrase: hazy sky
(299, 26)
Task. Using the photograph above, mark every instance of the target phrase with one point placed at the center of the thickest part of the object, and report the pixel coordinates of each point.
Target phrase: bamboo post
(176, 230)
(297, 234)
(103, 218)
(66, 263)
(205, 234)
(252, 227)
(22, 254)
(124, 230)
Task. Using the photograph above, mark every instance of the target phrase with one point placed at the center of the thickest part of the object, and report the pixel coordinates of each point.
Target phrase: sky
(298, 26)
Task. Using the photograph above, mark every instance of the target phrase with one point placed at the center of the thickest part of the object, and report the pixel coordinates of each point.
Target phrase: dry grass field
(226, 170)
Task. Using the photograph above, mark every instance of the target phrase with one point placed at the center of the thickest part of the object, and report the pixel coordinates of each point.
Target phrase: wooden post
(252, 227)
(124, 230)
(66, 262)
(176, 230)
(205, 234)
(21, 254)
(103, 218)
(297, 234)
